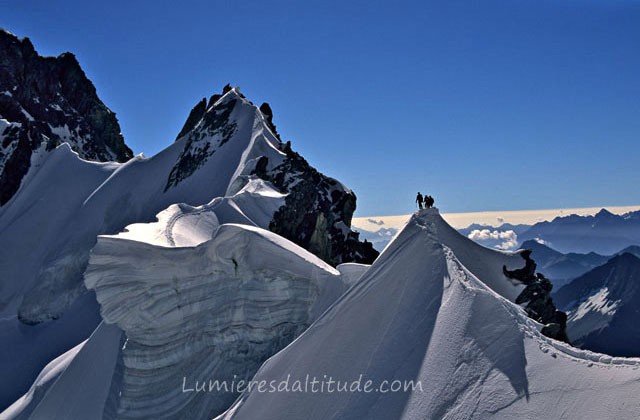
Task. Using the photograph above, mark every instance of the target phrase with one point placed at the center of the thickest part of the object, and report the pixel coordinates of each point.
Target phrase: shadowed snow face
(212, 311)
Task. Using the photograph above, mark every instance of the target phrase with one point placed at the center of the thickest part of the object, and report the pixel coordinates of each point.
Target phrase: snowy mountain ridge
(232, 301)
(49, 227)
(419, 314)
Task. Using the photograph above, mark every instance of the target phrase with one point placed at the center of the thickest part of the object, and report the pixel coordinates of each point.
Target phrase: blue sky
(486, 105)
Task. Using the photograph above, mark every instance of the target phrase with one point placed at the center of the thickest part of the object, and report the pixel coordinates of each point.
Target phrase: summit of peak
(228, 96)
(228, 93)
(430, 212)
(604, 213)
(50, 101)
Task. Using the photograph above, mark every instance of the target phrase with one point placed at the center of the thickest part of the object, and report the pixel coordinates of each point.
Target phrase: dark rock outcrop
(198, 148)
(317, 212)
(45, 101)
(265, 108)
(525, 274)
(536, 298)
(194, 117)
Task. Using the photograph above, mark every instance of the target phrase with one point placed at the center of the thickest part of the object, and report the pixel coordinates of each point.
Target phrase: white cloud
(504, 240)
(483, 235)
(509, 244)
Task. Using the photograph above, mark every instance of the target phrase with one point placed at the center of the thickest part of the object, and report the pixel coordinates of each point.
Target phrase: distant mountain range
(603, 306)
(559, 267)
(562, 268)
(604, 233)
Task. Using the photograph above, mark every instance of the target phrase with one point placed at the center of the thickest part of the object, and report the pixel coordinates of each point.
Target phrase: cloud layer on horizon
(502, 240)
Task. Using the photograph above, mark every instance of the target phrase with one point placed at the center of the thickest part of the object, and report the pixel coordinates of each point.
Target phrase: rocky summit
(45, 101)
(227, 168)
(317, 211)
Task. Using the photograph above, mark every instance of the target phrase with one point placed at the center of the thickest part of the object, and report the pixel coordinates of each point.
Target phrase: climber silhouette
(428, 201)
(419, 200)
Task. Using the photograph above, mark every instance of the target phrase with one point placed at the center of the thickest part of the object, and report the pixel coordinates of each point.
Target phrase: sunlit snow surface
(593, 314)
(209, 308)
(203, 291)
(599, 302)
(420, 314)
(51, 224)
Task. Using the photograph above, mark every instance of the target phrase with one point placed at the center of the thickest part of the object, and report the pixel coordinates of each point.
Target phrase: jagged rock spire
(45, 101)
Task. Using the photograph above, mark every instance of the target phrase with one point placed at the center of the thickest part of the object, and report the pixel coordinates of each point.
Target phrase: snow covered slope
(228, 159)
(182, 225)
(602, 307)
(61, 389)
(46, 246)
(186, 306)
(50, 226)
(483, 262)
(419, 314)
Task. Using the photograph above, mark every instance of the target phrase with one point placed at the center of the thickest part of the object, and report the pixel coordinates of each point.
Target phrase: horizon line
(494, 218)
